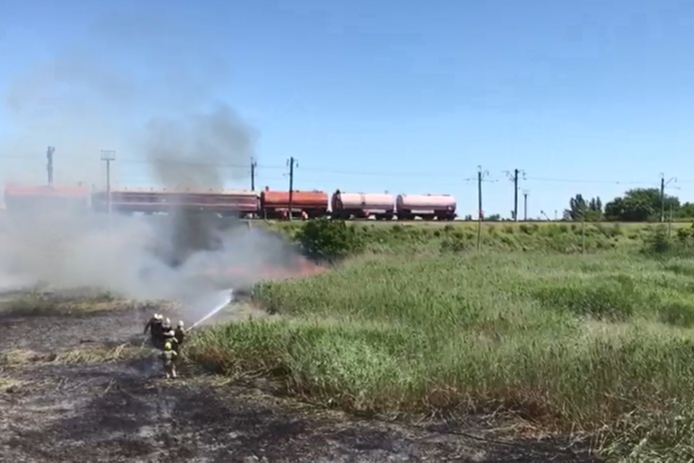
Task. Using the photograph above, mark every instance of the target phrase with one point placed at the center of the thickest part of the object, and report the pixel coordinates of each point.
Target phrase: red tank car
(239, 203)
(311, 204)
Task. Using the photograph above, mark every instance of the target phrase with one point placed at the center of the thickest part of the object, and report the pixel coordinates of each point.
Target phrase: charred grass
(68, 327)
(83, 355)
(38, 303)
(598, 345)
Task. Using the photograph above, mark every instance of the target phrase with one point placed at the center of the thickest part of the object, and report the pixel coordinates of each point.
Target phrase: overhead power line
(249, 165)
(614, 182)
(254, 167)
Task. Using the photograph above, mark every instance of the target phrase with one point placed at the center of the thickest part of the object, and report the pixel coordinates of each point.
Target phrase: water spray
(224, 298)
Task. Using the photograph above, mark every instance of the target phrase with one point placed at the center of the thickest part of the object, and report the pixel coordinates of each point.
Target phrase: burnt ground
(105, 408)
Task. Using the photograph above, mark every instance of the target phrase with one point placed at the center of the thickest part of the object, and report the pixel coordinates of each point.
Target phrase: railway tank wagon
(275, 204)
(362, 205)
(128, 201)
(228, 203)
(427, 207)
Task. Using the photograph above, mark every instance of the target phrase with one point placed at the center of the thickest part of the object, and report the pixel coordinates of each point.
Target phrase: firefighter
(168, 358)
(154, 326)
(179, 335)
(169, 336)
(149, 326)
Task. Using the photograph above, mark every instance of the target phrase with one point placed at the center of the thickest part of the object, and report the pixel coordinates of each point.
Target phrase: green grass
(600, 342)
(393, 237)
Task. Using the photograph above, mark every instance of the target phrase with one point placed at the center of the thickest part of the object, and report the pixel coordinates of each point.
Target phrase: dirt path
(66, 400)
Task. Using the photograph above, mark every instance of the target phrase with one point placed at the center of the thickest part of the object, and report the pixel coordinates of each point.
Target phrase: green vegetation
(418, 320)
(326, 240)
(323, 238)
(636, 205)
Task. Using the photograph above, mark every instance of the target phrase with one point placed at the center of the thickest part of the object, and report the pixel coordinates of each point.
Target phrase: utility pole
(525, 205)
(669, 225)
(663, 184)
(480, 212)
(583, 231)
(254, 164)
(662, 198)
(49, 164)
(515, 195)
(108, 156)
(514, 178)
(292, 163)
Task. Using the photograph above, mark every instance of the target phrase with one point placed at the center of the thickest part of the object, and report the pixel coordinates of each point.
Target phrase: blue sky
(589, 97)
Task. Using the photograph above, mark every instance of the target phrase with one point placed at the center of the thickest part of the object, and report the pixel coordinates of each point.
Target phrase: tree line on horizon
(635, 205)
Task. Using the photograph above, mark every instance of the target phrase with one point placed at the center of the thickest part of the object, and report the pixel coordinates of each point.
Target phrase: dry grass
(9, 385)
(82, 302)
(85, 355)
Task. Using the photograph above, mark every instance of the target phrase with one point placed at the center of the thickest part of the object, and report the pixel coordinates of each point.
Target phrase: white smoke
(177, 126)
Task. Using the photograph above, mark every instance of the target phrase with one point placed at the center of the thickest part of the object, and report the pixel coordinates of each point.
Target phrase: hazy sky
(369, 95)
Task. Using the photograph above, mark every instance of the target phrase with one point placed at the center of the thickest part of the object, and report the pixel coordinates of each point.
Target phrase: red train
(268, 204)
(46, 198)
(153, 201)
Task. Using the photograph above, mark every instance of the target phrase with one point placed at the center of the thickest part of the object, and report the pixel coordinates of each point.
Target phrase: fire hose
(225, 297)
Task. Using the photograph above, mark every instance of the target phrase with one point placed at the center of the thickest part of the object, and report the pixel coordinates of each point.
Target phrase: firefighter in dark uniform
(154, 326)
(169, 335)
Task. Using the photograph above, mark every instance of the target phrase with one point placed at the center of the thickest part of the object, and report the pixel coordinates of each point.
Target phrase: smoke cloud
(80, 104)
(192, 153)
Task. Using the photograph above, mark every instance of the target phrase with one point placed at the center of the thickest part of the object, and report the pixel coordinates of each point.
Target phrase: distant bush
(660, 243)
(657, 241)
(329, 240)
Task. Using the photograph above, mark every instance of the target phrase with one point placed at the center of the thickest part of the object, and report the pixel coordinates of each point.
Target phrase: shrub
(657, 241)
(326, 239)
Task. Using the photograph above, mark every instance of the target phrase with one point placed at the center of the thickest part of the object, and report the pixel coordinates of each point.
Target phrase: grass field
(601, 343)
(473, 223)
(390, 237)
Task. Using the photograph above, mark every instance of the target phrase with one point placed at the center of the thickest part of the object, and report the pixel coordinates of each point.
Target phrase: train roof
(46, 190)
(182, 190)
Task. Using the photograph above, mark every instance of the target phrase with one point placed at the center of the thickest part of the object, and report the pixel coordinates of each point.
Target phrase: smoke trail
(81, 104)
(200, 152)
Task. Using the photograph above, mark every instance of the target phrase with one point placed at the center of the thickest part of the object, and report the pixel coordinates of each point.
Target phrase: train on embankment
(266, 204)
